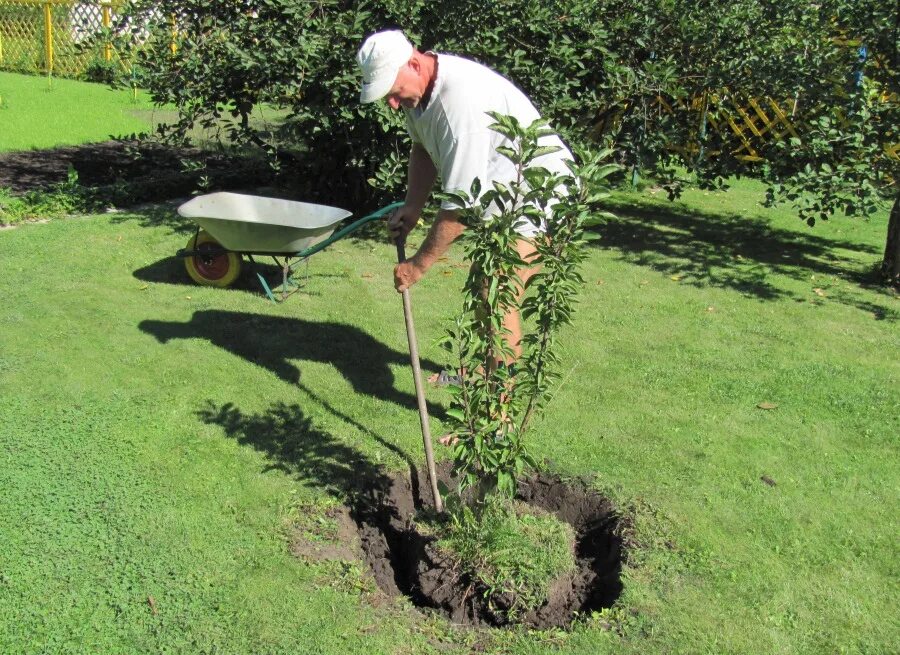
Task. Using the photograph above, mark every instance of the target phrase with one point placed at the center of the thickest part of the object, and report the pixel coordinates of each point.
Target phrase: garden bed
(146, 172)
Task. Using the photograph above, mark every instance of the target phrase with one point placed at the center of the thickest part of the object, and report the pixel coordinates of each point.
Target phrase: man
(446, 100)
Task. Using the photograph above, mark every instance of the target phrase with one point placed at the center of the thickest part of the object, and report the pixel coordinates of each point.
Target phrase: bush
(100, 70)
(62, 199)
(302, 56)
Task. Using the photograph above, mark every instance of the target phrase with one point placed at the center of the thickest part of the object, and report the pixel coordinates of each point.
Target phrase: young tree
(495, 403)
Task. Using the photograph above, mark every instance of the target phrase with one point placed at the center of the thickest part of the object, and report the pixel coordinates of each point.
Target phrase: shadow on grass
(163, 215)
(273, 342)
(171, 270)
(731, 251)
(293, 444)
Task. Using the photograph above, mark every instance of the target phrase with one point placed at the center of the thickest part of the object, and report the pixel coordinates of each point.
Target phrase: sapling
(495, 541)
(498, 398)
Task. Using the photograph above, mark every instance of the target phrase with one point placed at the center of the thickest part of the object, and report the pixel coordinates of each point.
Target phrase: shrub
(100, 70)
(228, 59)
(62, 199)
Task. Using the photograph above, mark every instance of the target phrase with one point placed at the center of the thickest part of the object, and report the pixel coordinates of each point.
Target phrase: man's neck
(430, 68)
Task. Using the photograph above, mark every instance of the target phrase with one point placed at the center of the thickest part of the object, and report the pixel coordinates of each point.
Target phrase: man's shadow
(272, 341)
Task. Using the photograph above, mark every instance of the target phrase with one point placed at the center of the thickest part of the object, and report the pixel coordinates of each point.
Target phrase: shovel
(417, 375)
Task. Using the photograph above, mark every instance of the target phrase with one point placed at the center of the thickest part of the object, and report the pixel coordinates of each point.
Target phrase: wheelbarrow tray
(242, 225)
(255, 224)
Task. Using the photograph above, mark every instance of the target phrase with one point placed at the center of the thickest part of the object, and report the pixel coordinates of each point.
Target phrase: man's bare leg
(512, 320)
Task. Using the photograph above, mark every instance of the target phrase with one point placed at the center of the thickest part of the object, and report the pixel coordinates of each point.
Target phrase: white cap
(379, 59)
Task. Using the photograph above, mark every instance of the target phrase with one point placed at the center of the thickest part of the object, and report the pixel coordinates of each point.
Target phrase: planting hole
(405, 561)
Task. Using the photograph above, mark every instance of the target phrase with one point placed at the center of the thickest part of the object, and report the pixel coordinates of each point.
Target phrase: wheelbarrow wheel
(218, 269)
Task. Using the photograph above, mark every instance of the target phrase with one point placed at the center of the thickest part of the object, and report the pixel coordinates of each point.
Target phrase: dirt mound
(406, 562)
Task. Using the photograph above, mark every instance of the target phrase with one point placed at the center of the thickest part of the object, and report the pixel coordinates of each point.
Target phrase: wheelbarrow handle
(353, 227)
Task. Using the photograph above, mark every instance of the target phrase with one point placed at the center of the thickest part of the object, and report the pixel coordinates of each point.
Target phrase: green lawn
(35, 114)
(156, 437)
(38, 114)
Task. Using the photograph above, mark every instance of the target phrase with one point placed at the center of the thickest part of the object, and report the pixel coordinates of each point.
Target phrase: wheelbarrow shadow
(170, 270)
(273, 341)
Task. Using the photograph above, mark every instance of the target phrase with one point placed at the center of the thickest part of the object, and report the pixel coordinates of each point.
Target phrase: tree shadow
(729, 251)
(273, 341)
(293, 444)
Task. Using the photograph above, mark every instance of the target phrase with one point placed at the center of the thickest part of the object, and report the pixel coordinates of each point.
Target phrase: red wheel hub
(212, 267)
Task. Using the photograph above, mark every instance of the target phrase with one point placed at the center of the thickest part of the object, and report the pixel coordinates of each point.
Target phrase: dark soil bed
(151, 172)
(403, 561)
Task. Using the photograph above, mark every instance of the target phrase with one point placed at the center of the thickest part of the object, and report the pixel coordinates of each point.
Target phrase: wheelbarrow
(231, 226)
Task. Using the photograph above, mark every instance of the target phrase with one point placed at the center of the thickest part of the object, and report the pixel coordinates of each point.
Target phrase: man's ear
(414, 64)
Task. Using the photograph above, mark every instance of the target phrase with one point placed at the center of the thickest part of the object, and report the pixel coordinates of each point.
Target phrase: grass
(37, 114)
(155, 436)
(510, 550)
(32, 118)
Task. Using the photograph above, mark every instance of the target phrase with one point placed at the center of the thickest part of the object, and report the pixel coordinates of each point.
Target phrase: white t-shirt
(454, 129)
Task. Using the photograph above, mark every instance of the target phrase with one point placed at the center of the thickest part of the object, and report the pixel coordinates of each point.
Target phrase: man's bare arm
(420, 177)
(444, 231)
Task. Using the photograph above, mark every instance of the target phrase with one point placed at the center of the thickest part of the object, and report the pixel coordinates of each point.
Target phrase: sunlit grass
(155, 435)
(37, 112)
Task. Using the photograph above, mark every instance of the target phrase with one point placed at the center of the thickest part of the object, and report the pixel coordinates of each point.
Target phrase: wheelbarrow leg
(262, 280)
(295, 284)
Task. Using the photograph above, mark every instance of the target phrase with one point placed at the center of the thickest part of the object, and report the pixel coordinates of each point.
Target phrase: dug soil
(406, 562)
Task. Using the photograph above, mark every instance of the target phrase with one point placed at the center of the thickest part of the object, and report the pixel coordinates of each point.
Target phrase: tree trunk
(890, 267)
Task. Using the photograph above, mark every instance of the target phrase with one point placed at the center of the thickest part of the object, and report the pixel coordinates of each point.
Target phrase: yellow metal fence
(744, 125)
(748, 123)
(55, 36)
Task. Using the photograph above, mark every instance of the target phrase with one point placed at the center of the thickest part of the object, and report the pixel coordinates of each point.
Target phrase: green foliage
(100, 70)
(596, 69)
(511, 552)
(845, 105)
(59, 200)
(493, 406)
(302, 56)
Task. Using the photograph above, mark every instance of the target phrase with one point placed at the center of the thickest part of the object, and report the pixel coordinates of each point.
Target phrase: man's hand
(402, 221)
(407, 274)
